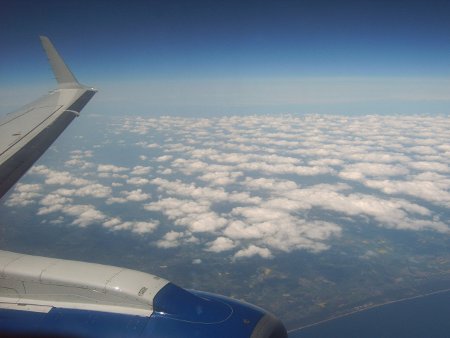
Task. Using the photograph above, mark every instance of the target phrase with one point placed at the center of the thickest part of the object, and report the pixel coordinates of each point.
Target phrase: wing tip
(64, 76)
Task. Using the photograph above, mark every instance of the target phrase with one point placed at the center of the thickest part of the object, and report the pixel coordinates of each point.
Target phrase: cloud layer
(249, 186)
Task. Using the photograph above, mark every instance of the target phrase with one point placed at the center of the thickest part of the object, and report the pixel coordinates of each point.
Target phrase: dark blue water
(425, 317)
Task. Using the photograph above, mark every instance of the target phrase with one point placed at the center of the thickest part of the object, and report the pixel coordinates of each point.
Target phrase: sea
(421, 317)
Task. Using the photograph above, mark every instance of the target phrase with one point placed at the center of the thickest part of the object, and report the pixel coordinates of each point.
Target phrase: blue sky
(232, 47)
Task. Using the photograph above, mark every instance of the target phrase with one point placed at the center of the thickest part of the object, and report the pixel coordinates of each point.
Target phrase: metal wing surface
(28, 132)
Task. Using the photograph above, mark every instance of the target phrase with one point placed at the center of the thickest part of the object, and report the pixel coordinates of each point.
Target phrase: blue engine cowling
(177, 313)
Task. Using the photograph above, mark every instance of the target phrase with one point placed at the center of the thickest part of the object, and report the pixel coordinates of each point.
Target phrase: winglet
(63, 75)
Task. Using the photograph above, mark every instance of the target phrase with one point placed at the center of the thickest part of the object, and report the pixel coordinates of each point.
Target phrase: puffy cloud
(423, 150)
(79, 163)
(116, 224)
(193, 191)
(164, 158)
(136, 195)
(358, 171)
(59, 220)
(140, 170)
(55, 198)
(27, 188)
(84, 214)
(253, 250)
(78, 159)
(53, 203)
(138, 181)
(375, 157)
(430, 166)
(81, 154)
(391, 213)
(167, 171)
(220, 177)
(204, 222)
(110, 168)
(194, 215)
(220, 244)
(112, 175)
(113, 200)
(144, 227)
(240, 230)
(285, 168)
(94, 190)
(170, 240)
(429, 187)
(280, 230)
(59, 177)
(24, 194)
(269, 184)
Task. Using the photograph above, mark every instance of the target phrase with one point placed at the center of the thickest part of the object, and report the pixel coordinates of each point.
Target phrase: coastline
(363, 308)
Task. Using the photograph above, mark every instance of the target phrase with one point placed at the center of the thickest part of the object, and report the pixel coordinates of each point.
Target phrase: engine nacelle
(47, 297)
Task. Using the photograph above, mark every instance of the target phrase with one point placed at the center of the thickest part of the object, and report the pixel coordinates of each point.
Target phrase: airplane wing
(28, 132)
